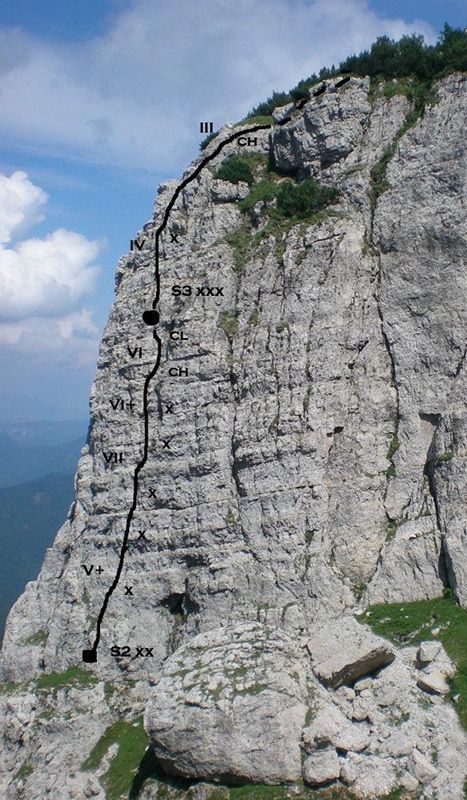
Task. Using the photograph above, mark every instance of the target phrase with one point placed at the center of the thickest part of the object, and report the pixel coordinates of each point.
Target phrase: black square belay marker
(90, 656)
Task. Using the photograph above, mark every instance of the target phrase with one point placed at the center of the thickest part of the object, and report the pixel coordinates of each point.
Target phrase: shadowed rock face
(314, 411)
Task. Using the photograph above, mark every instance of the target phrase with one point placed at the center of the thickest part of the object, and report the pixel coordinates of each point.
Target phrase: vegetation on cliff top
(387, 59)
(408, 63)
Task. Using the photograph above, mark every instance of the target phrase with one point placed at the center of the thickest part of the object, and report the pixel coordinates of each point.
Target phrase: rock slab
(343, 653)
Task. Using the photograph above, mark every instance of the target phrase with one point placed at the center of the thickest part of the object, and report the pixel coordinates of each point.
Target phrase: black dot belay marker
(151, 317)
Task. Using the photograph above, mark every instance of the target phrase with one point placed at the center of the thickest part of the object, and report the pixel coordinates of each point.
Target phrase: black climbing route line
(152, 318)
(90, 655)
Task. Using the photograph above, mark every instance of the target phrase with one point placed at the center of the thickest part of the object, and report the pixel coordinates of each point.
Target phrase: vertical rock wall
(299, 445)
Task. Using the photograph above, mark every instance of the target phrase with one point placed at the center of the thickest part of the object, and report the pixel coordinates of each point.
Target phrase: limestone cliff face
(290, 447)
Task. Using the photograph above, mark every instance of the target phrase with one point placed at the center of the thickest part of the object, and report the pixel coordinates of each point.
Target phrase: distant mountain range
(30, 450)
(37, 464)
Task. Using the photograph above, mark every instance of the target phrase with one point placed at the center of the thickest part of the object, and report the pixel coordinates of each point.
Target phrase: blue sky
(100, 102)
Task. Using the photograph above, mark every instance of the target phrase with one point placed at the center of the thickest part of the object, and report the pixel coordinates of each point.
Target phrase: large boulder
(230, 706)
(421, 768)
(428, 651)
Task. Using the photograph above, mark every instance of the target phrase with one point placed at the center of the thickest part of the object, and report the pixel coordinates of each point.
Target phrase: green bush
(268, 106)
(208, 139)
(302, 199)
(444, 457)
(253, 319)
(391, 530)
(228, 322)
(24, 772)
(235, 169)
(284, 204)
(293, 200)
(393, 446)
(264, 191)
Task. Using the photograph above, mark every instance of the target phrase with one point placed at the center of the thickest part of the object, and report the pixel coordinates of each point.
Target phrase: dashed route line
(152, 318)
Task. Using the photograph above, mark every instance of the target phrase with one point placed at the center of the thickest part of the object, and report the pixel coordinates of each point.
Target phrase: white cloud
(44, 280)
(48, 360)
(46, 277)
(75, 333)
(135, 96)
(20, 203)
(40, 277)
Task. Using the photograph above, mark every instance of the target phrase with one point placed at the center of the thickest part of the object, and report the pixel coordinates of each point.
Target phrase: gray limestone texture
(299, 453)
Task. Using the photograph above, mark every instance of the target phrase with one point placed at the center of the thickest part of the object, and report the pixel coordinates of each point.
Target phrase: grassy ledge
(132, 743)
(37, 638)
(72, 677)
(169, 790)
(9, 687)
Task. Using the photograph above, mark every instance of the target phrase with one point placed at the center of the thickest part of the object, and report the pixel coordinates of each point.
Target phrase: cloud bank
(134, 97)
(43, 280)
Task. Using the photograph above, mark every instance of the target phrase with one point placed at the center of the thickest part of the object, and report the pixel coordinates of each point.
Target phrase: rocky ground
(315, 419)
